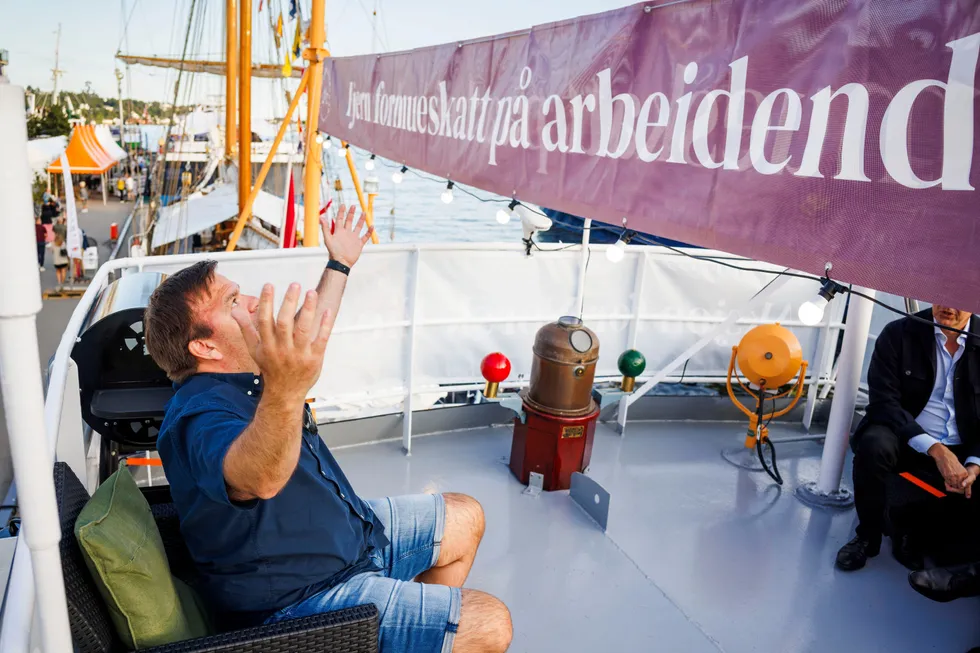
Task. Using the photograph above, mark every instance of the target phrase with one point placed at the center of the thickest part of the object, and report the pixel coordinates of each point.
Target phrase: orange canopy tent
(85, 156)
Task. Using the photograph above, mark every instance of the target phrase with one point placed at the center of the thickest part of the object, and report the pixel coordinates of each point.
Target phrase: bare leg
(464, 530)
(484, 624)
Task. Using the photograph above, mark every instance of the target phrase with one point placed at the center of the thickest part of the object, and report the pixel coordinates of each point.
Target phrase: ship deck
(698, 556)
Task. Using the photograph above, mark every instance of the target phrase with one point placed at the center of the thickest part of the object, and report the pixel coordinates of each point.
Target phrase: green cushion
(124, 552)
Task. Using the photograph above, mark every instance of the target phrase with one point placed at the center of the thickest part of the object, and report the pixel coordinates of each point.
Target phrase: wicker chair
(353, 630)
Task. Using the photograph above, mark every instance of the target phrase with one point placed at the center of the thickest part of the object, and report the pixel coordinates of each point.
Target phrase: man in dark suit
(923, 417)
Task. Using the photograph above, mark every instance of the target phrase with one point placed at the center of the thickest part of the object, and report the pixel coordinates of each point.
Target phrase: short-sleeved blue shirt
(262, 555)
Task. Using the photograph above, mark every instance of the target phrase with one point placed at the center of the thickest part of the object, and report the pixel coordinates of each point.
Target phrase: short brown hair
(169, 322)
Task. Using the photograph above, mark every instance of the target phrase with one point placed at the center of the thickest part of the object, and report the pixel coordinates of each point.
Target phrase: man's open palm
(346, 241)
(288, 349)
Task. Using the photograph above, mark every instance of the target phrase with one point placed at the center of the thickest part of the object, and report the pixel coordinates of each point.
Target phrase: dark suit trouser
(879, 456)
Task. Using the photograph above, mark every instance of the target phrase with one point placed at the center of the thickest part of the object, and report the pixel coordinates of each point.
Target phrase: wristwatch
(338, 266)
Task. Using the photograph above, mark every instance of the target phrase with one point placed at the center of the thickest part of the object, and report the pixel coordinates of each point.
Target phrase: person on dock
(59, 252)
(923, 418)
(41, 235)
(130, 185)
(121, 189)
(274, 525)
(83, 196)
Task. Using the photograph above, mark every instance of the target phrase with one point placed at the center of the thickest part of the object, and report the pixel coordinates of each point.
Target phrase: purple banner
(799, 133)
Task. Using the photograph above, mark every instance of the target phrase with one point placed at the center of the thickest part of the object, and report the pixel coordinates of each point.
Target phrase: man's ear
(204, 349)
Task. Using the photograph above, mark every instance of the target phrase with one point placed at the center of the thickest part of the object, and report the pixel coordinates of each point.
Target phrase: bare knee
(484, 624)
(467, 512)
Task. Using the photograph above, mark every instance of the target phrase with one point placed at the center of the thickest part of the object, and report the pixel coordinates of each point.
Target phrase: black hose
(761, 440)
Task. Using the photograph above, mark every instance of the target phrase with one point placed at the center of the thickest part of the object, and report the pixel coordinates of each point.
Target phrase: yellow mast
(314, 56)
(245, 105)
(231, 78)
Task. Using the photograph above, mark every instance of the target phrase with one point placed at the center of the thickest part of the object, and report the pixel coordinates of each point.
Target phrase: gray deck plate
(699, 555)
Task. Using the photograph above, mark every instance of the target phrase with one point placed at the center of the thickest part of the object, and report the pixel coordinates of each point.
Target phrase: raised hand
(289, 348)
(346, 241)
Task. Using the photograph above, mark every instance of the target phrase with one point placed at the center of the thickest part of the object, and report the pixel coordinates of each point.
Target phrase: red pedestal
(552, 446)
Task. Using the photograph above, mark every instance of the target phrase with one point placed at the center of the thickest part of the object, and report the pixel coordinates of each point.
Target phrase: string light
(319, 139)
(342, 148)
(447, 195)
(369, 164)
(811, 311)
(616, 252)
(398, 175)
(503, 215)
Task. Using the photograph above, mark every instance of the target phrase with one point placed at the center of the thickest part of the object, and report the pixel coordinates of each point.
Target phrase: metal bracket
(591, 497)
(610, 396)
(535, 485)
(511, 401)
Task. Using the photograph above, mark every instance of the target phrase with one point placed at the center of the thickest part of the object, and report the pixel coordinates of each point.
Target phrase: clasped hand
(289, 348)
(958, 479)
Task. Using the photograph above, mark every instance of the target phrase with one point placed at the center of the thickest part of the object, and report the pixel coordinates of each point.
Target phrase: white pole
(20, 376)
(586, 235)
(845, 392)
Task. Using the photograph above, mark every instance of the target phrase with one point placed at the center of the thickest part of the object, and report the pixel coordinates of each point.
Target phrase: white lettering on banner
(761, 127)
(563, 125)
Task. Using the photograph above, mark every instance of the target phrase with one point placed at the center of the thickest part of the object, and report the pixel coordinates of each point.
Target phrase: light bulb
(811, 311)
(447, 195)
(319, 139)
(503, 216)
(398, 175)
(342, 150)
(369, 164)
(616, 253)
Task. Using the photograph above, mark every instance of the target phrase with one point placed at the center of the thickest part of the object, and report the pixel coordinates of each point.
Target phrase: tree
(53, 122)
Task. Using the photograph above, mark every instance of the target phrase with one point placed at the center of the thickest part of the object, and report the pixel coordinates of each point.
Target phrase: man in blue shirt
(272, 523)
(923, 417)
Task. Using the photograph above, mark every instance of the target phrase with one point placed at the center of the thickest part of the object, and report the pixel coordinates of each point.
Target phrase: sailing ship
(774, 137)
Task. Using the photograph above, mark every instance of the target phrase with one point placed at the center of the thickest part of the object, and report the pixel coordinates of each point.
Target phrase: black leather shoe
(855, 553)
(943, 585)
(907, 554)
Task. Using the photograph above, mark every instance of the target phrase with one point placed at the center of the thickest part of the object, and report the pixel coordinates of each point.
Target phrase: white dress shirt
(938, 418)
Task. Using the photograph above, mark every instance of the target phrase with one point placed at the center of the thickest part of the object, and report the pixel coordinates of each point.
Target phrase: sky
(92, 31)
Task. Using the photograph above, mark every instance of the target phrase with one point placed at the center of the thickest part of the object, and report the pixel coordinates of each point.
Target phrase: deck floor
(699, 555)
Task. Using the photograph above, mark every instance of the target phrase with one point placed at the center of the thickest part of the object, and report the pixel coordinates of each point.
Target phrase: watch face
(581, 341)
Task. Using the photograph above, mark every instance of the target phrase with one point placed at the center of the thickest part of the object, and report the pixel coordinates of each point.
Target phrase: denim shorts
(414, 617)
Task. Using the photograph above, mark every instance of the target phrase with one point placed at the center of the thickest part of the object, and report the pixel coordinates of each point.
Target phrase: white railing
(418, 319)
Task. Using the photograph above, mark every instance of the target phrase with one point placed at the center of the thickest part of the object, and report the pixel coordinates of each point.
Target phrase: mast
(56, 72)
(231, 79)
(314, 152)
(122, 121)
(245, 104)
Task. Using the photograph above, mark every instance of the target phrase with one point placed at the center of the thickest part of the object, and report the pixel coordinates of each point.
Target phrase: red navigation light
(494, 368)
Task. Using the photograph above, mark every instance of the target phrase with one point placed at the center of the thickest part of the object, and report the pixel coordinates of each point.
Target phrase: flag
(298, 41)
(278, 32)
(74, 243)
(292, 8)
(287, 68)
(260, 6)
(289, 224)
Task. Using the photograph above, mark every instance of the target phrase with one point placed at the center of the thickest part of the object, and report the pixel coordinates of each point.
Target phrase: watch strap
(338, 266)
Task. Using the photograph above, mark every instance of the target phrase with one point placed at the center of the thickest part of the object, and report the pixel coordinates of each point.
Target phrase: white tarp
(42, 151)
(104, 136)
(472, 299)
(204, 210)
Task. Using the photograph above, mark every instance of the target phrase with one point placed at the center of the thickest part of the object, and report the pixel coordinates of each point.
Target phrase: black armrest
(131, 403)
(352, 630)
